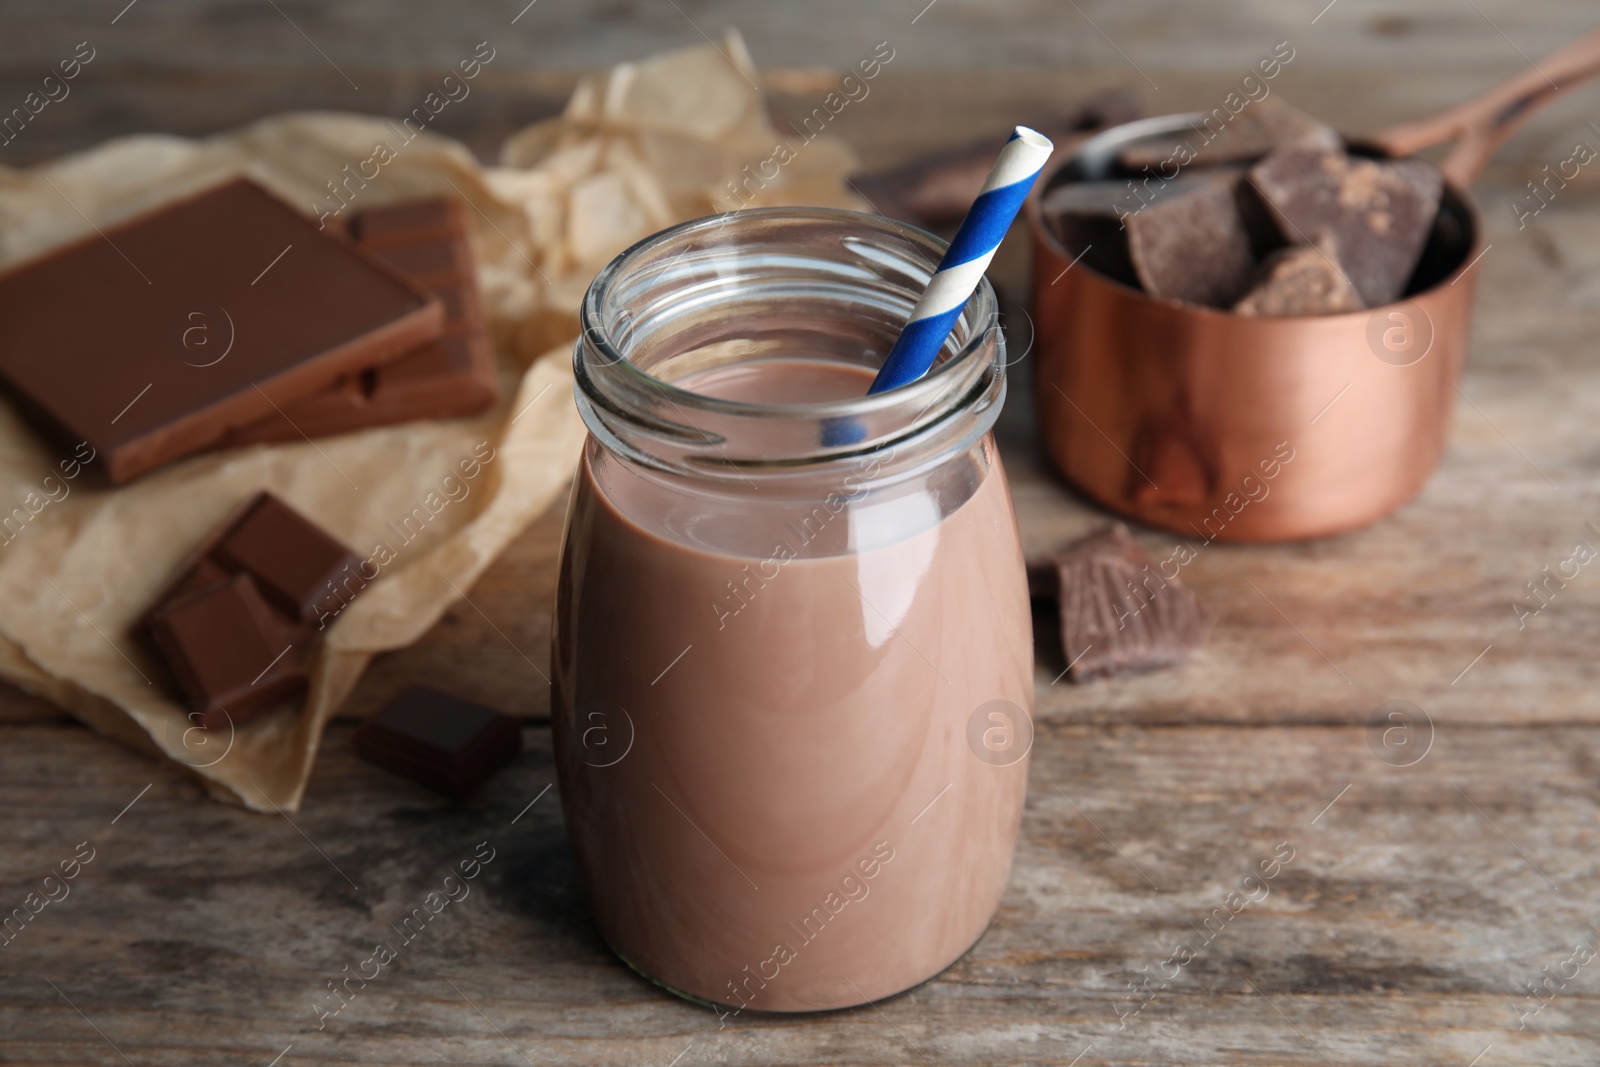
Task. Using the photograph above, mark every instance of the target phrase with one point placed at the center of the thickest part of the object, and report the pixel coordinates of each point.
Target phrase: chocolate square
(1119, 614)
(301, 568)
(231, 655)
(444, 742)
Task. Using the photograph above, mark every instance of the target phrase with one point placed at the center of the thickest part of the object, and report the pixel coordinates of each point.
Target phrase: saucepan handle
(1479, 126)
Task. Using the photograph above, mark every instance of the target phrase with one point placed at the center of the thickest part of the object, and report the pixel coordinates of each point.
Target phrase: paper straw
(966, 259)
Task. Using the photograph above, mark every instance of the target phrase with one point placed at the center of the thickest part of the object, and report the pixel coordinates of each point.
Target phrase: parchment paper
(642, 147)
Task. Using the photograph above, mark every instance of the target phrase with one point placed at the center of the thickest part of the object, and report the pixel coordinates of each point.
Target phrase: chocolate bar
(1378, 213)
(153, 338)
(231, 654)
(1119, 613)
(450, 377)
(446, 743)
(264, 581)
(1301, 280)
(1259, 128)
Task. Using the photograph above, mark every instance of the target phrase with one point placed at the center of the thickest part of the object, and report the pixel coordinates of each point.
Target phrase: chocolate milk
(763, 755)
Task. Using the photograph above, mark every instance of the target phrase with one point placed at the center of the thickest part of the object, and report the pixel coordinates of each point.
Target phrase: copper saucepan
(1231, 427)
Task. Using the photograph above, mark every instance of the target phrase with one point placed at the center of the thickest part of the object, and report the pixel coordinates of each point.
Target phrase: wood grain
(1421, 900)
(1400, 932)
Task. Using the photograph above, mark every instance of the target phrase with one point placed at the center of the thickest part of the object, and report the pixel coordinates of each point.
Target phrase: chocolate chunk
(444, 742)
(448, 378)
(1192, 242)
(1221, 137)
(261, 579)
(300, 568)
(282, 551)
(1378, 212)
(1192, 238)
(230, 652)
(1300, 281)
(154, 338)
(1088, 219)
(1119, 614)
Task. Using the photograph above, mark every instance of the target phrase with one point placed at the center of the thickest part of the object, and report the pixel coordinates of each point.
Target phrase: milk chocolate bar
(1119, 613)
(450, 377)
(446, 743)
(1378, 213)
(153, 338)
(231, 654)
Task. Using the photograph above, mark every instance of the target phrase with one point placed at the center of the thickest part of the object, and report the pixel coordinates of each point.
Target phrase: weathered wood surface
(1400, 932)
(1417, 908)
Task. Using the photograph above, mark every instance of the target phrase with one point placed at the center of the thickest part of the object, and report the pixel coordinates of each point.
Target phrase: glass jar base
(720, 1008)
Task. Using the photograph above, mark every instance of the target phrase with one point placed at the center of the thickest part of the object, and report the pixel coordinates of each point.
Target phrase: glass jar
(792, 645)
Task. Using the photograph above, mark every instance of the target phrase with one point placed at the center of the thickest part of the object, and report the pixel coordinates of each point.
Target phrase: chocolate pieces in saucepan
(1119, 614)
(1300, 280)
(234, 621)
(1188, 239)
(1192, 243)
(446, 743)
(450, 377)
(153, 338)
(1377, 212)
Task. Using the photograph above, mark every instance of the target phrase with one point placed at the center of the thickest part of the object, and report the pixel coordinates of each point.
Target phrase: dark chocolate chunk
(1088, 219)
(1301, 280)
(1191, 238)
(1192, 243)
(229, 651)
(448, 378)
(154, 338)
(300, 568)
(1119, 614)
(444, 742)
(1378, 212)
(1221, 137)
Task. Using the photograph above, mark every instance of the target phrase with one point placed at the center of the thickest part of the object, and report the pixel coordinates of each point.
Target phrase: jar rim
(683, 277)
(929, 386)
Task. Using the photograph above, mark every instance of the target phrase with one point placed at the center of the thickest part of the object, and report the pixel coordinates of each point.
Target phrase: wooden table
(1421, 901)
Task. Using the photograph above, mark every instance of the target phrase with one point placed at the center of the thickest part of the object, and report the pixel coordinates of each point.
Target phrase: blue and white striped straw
(966, 259)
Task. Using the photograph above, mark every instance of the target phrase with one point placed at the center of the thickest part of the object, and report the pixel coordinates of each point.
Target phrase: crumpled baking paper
(647, 145)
